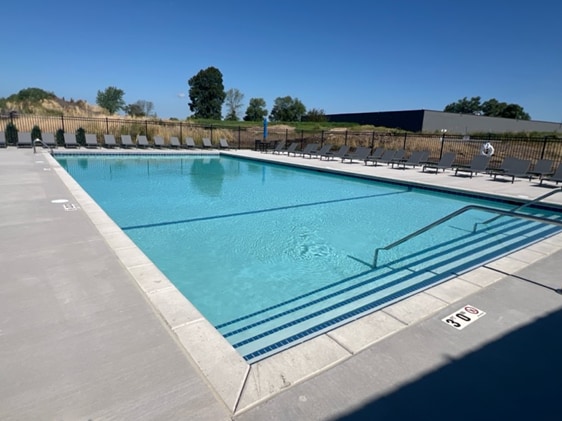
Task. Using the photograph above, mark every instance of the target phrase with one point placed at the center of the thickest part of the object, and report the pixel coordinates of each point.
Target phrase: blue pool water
(271, 255)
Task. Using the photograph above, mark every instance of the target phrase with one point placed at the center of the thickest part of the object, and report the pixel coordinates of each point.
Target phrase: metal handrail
(42, 143)
(524, 205)
(456, 213)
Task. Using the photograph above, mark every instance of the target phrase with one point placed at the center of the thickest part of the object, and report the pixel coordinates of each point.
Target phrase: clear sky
(340, 56)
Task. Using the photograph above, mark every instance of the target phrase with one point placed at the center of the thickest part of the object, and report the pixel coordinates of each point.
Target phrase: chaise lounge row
(91, 141)
(510, 167)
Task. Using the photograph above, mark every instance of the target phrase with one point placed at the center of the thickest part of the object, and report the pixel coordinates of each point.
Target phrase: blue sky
(341, 57)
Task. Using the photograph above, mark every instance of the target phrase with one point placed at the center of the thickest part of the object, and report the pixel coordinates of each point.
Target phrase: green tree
(316, 115)
(111, 99)
(207, 94)
(256, 110)
(11, 134)
(465, 106)
(141, 108)
(32, 95)
(494, 108)
(234, 100)
(81, 136)
(59, 136)
(287, 109)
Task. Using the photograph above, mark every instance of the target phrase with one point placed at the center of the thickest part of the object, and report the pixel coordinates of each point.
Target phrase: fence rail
(533, 148)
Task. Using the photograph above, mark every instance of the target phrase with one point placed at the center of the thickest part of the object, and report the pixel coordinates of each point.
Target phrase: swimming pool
(273, 255)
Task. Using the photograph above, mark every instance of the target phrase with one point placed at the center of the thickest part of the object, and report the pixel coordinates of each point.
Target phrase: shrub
(81, 136)
(36, 133)
(11, 133)
(59, 136)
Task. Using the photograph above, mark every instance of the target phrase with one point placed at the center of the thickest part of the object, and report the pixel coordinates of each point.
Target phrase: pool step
(404, 272)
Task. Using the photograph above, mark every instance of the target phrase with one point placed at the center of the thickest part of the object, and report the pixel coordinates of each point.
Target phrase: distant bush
(81, 136)
(11, 133)
(59, 136)
(36, 133)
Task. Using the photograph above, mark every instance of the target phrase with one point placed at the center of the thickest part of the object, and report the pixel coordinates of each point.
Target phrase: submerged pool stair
(404, 271)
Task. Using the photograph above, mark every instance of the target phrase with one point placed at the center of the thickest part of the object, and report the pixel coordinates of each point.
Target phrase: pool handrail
(511, 212)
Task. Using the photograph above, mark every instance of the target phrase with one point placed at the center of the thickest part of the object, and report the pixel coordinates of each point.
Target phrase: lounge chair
(386, 157)
(542, 168)
(375, 156)
(414, 160)
(556, 177)
(175, 142)
(3, 143)
(319, 152)
(360, 153)
(142, 142)
(207, 143)
(24, 140)
(109, 141)
(190, 143)
(279, 147)
(126, 141)
(478, 164)
(70, 141)
(48, 140)
(446, 162)
(506, 165)
(223, 144)
(517, 168)
(291, 149)
(307, 149)
(344, 149)
(158, 142)
(91, 141)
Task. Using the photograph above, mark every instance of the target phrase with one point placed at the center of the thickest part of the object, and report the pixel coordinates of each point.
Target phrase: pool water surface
(272, 254)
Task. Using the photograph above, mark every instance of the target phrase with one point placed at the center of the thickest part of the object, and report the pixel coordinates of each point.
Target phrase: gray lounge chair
(190, 143)
(291, 149)
(70, 141)
(478, 164)
(556, 177)
(414, 160)
(109, 141)
(375, 156)
(319, 152)
(542, 168)
(175, 142)
(360, 153)
(3, 143)
(24, 140)
(207, 143)
(158, 142)
(48, 140)
(142, 142)
(307, 149)
(344, 149)
(279, 147)
(91, 141)
(126, 141)
(446, 162)
(506, 165)
(223, 144)
(517, 168)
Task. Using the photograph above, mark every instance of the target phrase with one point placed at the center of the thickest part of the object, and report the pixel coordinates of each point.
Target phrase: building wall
(434, 121)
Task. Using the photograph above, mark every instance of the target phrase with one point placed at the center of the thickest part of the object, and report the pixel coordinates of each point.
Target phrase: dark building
(436, 121)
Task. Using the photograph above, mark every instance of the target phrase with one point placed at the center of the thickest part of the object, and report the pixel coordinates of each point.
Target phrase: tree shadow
(517, 377)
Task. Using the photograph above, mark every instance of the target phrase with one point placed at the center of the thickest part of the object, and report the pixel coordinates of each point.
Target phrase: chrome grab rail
(511, 212)
(42, 143)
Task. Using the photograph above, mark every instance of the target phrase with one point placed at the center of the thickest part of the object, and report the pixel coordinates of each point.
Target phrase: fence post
(62, 123)
(146, 127)
(106, 125)
(373, 139)
(544, 146)
(239, 134)
(322, 138)
(211, 133)
(181, 134)
(345, 139)
(286, 135)
(405, 136)
(442, 145)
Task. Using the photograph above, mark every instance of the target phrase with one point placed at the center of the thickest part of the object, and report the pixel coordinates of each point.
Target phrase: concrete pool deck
(90, 329)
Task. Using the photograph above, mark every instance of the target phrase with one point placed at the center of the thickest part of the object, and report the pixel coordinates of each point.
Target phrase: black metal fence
(533, 148)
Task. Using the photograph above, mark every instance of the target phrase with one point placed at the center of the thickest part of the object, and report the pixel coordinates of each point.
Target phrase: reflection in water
(208, 176)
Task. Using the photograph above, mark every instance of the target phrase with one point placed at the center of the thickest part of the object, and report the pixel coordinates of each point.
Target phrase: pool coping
(241, 385)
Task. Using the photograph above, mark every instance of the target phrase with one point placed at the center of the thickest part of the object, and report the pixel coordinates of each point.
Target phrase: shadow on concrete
(517, 377)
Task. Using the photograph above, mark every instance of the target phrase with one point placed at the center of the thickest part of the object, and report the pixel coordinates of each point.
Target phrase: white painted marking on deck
(59, 201)
(70, 207)
(463, 317)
